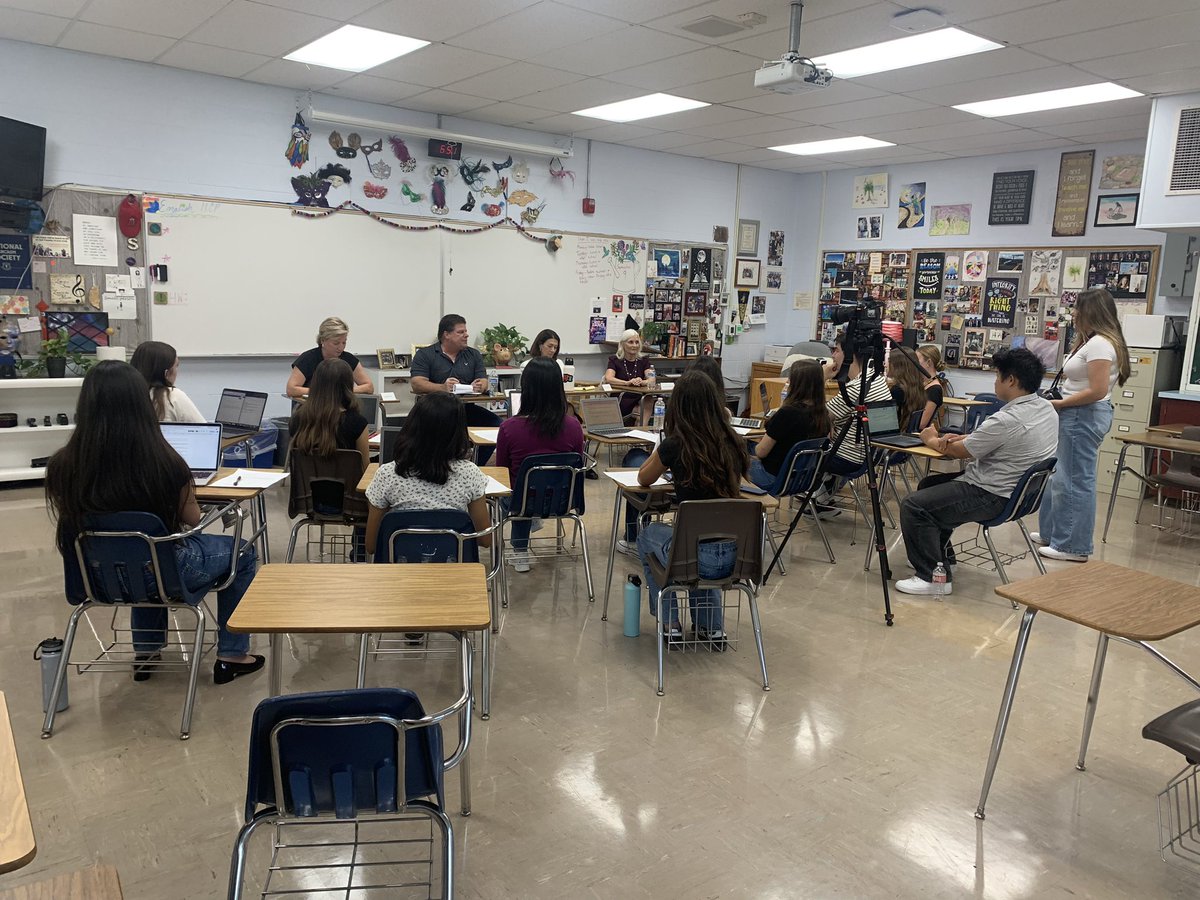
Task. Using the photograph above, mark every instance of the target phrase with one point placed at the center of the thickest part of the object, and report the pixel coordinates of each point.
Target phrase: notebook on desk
(241, 412)
(602, 416)
(199, 443)
(884, 422)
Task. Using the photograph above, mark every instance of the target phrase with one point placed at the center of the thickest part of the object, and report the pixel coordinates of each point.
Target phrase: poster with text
(15, 262)
(1000, 302)
(928, 283)
(1012, 197)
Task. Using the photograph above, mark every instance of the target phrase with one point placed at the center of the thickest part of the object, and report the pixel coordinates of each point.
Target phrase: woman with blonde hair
(930, 356)
(331, 344)
(627, 368)
(1098, 360)
(913, 390)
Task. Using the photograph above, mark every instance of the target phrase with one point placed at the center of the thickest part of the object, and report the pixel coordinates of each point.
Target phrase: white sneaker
(918, 585)
(1063, 555)
(629, 548)
(1037, 538)
(521, 562)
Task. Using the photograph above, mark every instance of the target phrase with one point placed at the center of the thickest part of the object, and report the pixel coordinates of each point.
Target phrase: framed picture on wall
(748, 273)
(387, 358)
(747, 237)
(1113, 210)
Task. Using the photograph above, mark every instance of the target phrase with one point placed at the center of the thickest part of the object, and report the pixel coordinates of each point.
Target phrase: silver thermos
(49, 652)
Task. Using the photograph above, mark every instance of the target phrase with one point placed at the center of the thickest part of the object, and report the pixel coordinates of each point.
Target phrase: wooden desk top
(963, 402)
(1113, 599)
(325, 598)
(500, 473)
(1158, 441)
(92, 883)
(209, 494)
(17, 844)
(766, 500)
(235, 439)
(1173, 430)
(621, 440)
(919, 450)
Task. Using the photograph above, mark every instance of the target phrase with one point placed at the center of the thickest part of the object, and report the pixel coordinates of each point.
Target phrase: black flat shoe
(591, 475)
(143, 672)
(224, 672)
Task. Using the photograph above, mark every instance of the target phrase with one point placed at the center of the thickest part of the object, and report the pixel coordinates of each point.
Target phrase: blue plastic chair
(1025, 500)
(800, 470)
(352, 757)
(976, 414)
(127, 559)
(550, 486)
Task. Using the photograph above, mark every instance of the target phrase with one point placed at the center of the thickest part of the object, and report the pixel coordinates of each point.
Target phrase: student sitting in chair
(707, 460)
(851, 454)
(159, 365)
(541, 426)
(913, 389)
(329, 419)
(1022, 433)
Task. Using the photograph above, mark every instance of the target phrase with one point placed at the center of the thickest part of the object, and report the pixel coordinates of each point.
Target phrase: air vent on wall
(1185, 160)
(713, 27)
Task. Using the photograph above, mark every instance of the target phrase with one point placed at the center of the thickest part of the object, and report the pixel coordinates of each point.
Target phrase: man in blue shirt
(450, 362)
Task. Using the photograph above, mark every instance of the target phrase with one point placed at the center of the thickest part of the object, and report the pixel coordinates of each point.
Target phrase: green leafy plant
(506, 336)
(55, 347)
(652, 333)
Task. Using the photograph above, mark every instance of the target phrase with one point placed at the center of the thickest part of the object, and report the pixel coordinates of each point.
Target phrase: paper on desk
(461, 388)
(742, 431)
(650, 437)
(494, 487)
(606, 387)
(665, 386)
(629, 479)
(388, 397)
(250, 478)
(488, 435)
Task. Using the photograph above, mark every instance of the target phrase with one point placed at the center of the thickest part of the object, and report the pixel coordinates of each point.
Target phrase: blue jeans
(1068, 515)
(759, 475)
(633, 460)
(203, 561)
(519, 535)
(716, 560)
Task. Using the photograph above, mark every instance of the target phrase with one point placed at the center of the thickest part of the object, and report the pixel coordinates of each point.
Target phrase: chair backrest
(914, 420)
(976, 414)
(1026, 497)
(1185, 463)
(698, 521)
(342, 752)
(425, 535)
(326, 488)
(549, 485)
(800, 468)
(123, 558)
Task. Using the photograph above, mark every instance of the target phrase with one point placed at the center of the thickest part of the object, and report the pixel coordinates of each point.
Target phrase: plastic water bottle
(494, 383)
(49, 652)
(569, 370)
(633, 606)
(650, 376)
(939, 580)
(660, 413)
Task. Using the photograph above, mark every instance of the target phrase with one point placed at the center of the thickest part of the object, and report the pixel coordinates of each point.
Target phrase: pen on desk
(237, 481)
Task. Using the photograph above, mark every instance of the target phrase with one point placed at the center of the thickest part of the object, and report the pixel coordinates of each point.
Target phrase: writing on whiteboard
(611, 264)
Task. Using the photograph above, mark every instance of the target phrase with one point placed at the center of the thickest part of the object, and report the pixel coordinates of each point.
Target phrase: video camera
(864, 329)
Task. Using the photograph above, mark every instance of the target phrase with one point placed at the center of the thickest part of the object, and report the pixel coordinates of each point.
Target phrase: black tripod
(872, 352)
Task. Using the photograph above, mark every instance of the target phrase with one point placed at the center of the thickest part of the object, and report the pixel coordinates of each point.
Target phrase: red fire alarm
(589, 205)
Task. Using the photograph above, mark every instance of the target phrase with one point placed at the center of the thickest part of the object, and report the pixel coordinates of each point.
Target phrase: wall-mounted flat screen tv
(22, 159)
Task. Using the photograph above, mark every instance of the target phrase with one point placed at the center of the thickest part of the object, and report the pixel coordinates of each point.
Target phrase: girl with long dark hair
(118, 461)
(329, 419)
(802, 417)
(159, 365)
(541, 426)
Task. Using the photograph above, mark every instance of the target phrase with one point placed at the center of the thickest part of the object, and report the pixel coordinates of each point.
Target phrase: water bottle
(660, 412)
(633, 606)
(783, 396)
(569, 370)
(939, 581)
(650, 376)
(494, 383)
(49, 652)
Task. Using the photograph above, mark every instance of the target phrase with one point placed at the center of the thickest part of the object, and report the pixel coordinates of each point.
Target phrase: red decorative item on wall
(589, 205)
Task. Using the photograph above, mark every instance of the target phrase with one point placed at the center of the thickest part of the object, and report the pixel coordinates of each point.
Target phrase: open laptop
(514, 402)
(241, 412)
(602, 416)
(199, 443)
(766, 401)
(745, 422)
(884, 421)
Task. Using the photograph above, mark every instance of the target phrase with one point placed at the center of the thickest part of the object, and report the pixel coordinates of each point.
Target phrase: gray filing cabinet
(1135, 405)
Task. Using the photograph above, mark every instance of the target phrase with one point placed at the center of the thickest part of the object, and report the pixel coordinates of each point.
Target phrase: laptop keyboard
(741, 422)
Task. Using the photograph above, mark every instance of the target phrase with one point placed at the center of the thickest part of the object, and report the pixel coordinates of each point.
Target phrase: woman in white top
(1098, 360)
(159, 364)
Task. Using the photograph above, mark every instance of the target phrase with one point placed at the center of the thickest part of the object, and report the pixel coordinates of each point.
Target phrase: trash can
(282, 439)
(262, 449)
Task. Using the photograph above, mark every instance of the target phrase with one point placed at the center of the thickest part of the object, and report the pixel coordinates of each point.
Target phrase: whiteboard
(252, 278)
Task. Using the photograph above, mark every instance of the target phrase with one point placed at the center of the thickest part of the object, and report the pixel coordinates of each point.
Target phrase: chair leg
(587, 561)
(987, 537)
(1037, 557)
(1089, 711)
(752, 600)
(60, 677)
(361, 681)
(658, 628)
(291, 550)
(774, 545)
(237, 865)
(189, 701)
(447, 831)
(485, 675)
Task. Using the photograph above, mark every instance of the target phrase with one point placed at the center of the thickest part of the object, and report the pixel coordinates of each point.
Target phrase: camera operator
(852, 453)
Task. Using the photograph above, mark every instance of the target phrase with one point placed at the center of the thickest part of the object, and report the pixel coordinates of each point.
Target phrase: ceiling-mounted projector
(793, 73)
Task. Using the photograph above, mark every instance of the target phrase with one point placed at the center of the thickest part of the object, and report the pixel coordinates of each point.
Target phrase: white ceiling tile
(285, 73)
(756, 124)
(116, 42)
(995, 143)
(1177, 82)
(633, 10)
(514, 80)
(439, 65)
(948, 133)
(213, 60)
(961, 12)
(699, 65)
(778, 15)
(699, 118)
(1004, 61)
(1017, 83)
(442, 102)
(780, 104)
(936, 115)
(582, 94)
(1108, 137)
(710, 148)
(614, 132)
(665, 141)
(799, 134)
(65, 9)
(1150, 33)
(254, 28)
(863, 110)
(437, 20)
(868, 24)
(34, 28)
(628, 47)
(1048, 144)
(1131, 65)
(546, 26)
(722, 90)
(1092, 126)
(748, 157)
(344, 9)
(508, 114)
(374, 89)
(563, 123)
(1070, 17)
(1091, 113)
(170, 18)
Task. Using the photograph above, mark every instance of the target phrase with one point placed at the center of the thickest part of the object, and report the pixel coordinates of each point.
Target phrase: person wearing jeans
(715, 560)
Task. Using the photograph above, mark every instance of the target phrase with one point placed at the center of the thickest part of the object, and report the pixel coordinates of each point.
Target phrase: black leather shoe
(143, 673)
(224, 672)
(591, 475)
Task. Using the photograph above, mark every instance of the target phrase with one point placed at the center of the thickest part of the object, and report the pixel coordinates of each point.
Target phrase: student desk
(245, 441)
(1156, 441)
(500, 473)
(1172, 430)
(256, 500)
(17, 843)
(1132, 606)
(92, 883)
(963, 402)
(660, 488)
(316, 598)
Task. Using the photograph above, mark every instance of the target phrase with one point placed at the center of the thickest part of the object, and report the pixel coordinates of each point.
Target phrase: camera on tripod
(864, 328)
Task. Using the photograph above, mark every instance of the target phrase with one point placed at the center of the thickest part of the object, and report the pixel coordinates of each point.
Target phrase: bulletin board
(852, 275)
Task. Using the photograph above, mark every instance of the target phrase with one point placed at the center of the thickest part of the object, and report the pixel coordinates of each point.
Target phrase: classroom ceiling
(528, 63)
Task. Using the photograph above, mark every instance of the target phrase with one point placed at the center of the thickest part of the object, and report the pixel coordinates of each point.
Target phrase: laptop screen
(602, 411)
(198, 443)
(514, 402)
(243, 409)
(883, 418)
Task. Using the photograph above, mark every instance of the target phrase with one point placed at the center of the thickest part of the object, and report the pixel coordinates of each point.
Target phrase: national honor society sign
(1000, 302)
(928, 285)
(15, 271)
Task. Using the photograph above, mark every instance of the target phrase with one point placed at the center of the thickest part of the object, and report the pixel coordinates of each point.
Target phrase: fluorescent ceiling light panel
(641, 108)
(1027, 103)
(355, 49)
(837, 145)
(916, 50)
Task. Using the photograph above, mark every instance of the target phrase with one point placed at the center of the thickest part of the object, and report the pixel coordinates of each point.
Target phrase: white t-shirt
(1075, 369)
(388, 490)
(178, 407)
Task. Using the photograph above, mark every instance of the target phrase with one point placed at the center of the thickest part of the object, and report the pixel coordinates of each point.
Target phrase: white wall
(1156, 209)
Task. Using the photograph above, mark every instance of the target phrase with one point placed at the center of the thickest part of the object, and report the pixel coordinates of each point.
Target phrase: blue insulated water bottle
(49, 652)
(633, 606)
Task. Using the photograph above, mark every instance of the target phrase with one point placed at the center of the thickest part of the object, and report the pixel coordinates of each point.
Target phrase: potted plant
(652, 334)
(502, 345)
(53, 357)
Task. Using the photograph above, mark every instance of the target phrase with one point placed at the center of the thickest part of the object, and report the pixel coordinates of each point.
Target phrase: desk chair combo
(324, 492)
(799, 474)
(112, 559)
(1183, 474)
(1179, 801)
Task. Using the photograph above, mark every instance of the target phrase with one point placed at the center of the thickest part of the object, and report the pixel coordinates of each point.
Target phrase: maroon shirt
(518, 440)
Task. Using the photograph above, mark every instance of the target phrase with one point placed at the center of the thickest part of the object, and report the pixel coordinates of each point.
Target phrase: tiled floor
(855, 776)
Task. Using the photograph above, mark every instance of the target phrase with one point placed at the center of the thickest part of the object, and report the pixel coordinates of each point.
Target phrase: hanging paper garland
(316, 213)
